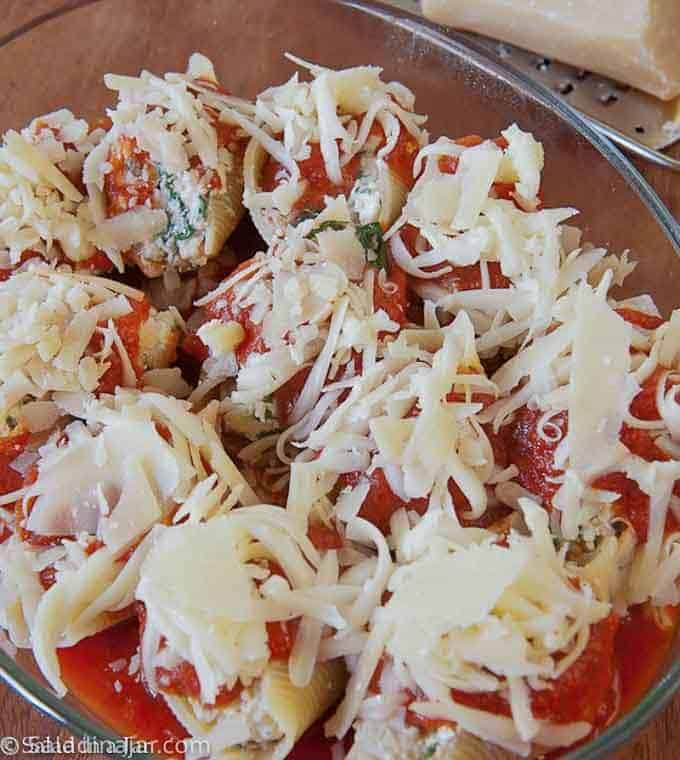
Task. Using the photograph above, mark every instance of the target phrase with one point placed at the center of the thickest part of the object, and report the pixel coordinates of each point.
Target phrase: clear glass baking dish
(61, 57)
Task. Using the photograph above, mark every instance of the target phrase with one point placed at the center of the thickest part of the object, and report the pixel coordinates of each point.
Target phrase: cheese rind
(631, 41)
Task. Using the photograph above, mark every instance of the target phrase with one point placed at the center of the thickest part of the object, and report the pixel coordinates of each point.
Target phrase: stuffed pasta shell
(165, 183)
(473, 663)
(475, 236)
(344, 133)
(406, 435)
(79, 525)
(63, 331)
(315, 306)
(230, 630)
(43, 209)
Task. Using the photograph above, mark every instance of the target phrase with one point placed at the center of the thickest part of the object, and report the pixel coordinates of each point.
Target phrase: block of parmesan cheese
(632, 41)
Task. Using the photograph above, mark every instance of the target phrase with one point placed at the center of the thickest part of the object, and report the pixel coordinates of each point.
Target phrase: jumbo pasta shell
(199, 729)
(63, 604)
(148, 267)
(296, 709)
(267, 221)
(225, 209)
(393, 193)
(374, 740)
(293, 709)
(470, 747)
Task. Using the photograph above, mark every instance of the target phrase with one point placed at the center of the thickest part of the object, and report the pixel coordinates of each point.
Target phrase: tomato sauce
(380, 502)
(403, 155)
(633, 648)
(193, 347)
(632, 503)
(533, 455)
(583, 689)
(395, 302)
(5, 274)
(183, 680)
(132, 179)
(10, 448)
(324, 537)
(644, 404)
(313, 170)
(470, 277)
(584, 692)
(534, 458)
(98, 263)
(5, 532)
(641, 648)
(222, 308)
(281, 638)
(122, 701)
(119, 698)
(287, 395)
(460, 277)
(640, 319)
(128, 328)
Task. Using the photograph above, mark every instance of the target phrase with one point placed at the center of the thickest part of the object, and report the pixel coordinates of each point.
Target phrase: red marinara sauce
(641, 647)
(459, 278)
(533, 455)
(380, 502)
(582, 693)
(120, 699)
(10, 448)
(128, 328)
(640, 318)
(393, 298)
(222, 308)
(313, 170)
(132, 179)
(123, 702)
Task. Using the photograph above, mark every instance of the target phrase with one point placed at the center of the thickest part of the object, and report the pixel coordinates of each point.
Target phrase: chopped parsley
(203, 206)
(327, 225)
(305, 216)
(429, 752)
(371, 238)
(179, 227)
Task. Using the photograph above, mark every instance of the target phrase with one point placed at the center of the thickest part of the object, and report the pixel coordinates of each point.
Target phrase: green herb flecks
(327, 225)
(371, 238)
(429, 752)
(179, 227)
(304, 216)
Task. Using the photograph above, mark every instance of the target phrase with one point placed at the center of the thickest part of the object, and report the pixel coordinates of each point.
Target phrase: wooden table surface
(659, 741)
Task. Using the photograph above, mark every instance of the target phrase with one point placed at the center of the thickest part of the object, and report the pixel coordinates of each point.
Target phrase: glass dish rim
(460, 45)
